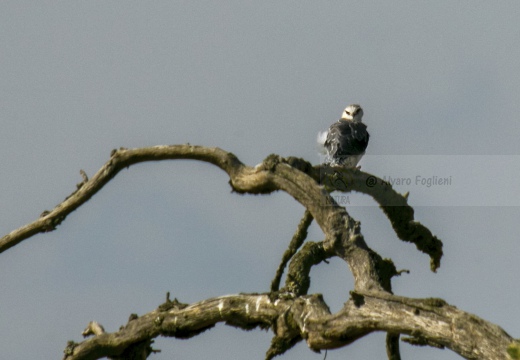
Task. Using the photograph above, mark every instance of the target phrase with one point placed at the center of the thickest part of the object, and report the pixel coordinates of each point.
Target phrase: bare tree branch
(296, 242)
(392, 346)
(119, 160)
(308, 317)
(273, 174)
(394, 205)
(290, 313)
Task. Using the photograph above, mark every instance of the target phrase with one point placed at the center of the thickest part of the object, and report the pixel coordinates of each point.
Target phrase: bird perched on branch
(346, 140)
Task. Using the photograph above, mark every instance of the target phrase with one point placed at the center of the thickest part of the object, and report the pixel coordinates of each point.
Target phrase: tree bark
(291, 313)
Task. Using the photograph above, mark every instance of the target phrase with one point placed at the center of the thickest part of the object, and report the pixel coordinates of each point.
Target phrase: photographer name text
(418, 180)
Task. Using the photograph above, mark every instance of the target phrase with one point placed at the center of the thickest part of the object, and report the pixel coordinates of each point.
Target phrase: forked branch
(290, 313)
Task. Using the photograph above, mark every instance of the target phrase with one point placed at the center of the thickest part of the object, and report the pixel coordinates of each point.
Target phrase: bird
(346, 140)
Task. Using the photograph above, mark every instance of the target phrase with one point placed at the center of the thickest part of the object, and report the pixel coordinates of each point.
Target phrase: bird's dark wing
(347, 138)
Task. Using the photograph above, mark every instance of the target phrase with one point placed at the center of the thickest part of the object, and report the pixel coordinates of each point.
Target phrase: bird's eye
(348, 113)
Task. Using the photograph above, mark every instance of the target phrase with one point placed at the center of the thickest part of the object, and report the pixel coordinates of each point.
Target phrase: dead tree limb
(296, 242)
(291, 313)
(431, 321)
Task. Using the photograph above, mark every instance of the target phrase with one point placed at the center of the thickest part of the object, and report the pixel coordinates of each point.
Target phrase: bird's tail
(322, 137)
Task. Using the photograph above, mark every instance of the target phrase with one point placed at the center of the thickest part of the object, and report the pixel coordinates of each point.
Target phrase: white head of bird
(352, 112)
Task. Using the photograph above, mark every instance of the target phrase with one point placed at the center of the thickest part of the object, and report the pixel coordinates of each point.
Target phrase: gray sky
(81, 78)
